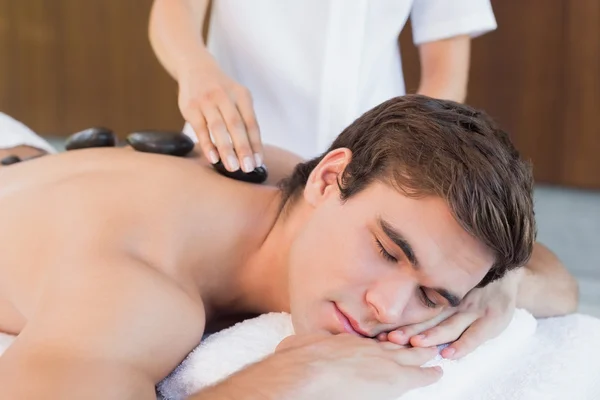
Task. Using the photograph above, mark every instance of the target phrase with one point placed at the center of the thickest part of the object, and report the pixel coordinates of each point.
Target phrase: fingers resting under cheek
(478, 333)
(391, 346)
(382, 337)
(446, 332)
(398, 337)
(449, 353)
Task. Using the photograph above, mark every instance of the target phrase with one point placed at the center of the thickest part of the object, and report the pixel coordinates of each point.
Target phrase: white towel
(14, 133)
(558, 359)
(5, 341)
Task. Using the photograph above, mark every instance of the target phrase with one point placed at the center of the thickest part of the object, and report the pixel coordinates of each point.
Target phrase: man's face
(379, 261)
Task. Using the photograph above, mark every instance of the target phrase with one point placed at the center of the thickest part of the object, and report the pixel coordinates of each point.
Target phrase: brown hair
(429, 147)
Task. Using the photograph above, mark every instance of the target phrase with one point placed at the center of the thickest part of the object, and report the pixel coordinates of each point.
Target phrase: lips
(350, 324)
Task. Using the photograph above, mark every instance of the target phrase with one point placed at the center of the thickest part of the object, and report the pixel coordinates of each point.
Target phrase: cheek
(329, 255)
(343, 253)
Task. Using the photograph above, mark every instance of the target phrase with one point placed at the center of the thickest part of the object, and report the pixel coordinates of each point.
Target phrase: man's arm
(108, 329)
(547, 288)
(445, 68)
(35, 369)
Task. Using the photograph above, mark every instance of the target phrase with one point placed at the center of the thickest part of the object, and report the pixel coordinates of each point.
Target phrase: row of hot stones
(175, 144)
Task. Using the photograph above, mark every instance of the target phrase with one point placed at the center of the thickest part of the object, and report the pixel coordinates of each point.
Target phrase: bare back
(104, 243)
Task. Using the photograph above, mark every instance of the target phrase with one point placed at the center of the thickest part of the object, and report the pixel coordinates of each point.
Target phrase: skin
(120, 291)
(140, 281)
(213, 102)
(23, 152)
(445, 68)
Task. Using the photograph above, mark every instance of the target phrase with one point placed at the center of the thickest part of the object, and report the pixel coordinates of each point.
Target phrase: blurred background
(66, 65)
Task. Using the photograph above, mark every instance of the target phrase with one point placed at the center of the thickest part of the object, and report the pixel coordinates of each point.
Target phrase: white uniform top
(314, 66)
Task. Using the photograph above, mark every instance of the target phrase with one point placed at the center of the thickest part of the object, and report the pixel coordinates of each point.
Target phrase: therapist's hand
(215, 104)
(483, 314)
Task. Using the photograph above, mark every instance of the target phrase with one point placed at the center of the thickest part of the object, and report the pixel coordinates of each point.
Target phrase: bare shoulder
(106, 332)
(120, 310)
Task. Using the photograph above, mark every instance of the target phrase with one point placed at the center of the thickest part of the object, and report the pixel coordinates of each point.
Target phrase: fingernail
(233, 163)
(248, 164)
(420, 337)
(449, 352)
(213, 156)
(258, 159)
(399, 333)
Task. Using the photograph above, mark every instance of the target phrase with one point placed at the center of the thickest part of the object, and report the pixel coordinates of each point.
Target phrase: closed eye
(427, 302)
(425, 299)
(384, 252)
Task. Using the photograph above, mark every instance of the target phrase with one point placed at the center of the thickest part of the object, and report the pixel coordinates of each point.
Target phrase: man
(115, 263)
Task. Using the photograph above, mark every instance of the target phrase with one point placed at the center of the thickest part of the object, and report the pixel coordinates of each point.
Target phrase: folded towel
(226, 352)
(556, 360)
(14, 133)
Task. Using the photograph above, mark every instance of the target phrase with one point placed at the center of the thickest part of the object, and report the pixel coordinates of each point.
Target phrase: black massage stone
(9, 160)
(169, 143)
(258, 175)
(91, 137)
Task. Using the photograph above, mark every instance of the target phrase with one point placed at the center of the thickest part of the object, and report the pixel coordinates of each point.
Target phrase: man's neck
(260, 284)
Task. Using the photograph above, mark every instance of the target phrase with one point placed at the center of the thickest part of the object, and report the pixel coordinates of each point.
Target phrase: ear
(323, 180)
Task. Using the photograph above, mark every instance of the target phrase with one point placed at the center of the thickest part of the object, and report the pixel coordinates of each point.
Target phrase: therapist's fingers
(246, 108)
(239, 137)
(199, 126)
(218, 130)
(191, 110)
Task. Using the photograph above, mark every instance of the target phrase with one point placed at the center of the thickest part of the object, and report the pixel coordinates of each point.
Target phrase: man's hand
(483, 315)
(331, 367)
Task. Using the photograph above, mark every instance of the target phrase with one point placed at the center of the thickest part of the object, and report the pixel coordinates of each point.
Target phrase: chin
(316, 321)
(300, 322)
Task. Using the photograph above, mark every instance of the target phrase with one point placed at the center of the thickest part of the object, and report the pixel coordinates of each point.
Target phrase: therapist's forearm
(175, 33)
(547, 289)
(445, 68)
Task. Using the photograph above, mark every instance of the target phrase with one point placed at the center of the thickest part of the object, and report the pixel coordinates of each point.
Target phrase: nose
(389, 297)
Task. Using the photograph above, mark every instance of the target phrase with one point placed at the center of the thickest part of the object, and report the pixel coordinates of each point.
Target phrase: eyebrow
(398, 239)
(453, 299)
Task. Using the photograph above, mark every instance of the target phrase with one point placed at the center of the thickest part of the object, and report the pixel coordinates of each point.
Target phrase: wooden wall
(539, 75)
(69, 64)
(66, 65)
